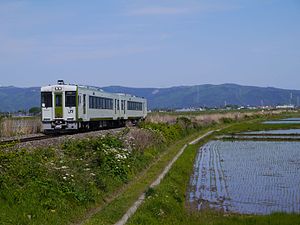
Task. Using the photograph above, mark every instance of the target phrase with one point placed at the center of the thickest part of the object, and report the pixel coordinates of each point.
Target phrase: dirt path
(140, 200)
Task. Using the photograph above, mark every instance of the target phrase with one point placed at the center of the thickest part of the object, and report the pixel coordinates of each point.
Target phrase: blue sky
(153, 43)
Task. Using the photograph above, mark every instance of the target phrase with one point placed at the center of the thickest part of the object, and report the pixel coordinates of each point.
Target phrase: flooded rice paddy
(282, 122)
(255, 137)
(287, 132)
(249, 177)
(292, 119)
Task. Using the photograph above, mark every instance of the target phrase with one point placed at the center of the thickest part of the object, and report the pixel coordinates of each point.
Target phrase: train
(70, 107)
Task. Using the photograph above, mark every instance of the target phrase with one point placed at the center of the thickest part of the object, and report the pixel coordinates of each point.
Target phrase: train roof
(61, 86)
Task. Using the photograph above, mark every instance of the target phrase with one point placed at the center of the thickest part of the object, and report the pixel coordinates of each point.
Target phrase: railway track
(13, 141)
(25, 139)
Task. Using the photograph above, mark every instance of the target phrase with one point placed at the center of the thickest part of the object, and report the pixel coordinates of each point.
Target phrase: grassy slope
(166, 204)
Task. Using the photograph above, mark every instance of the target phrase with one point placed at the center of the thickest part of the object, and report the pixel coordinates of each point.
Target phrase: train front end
(59, 108)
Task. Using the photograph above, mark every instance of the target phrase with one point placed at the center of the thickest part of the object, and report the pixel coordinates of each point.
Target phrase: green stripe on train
(103, 118)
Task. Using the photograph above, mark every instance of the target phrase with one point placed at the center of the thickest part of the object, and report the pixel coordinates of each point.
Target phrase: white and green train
(75, 107)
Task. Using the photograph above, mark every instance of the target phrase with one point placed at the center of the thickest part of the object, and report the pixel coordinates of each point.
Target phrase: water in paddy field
(249, 177)
(282, 122)
(286, 137)
(289, 131)
(292, 119)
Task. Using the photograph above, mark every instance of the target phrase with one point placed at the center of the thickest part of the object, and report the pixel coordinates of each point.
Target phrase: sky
(140, 43)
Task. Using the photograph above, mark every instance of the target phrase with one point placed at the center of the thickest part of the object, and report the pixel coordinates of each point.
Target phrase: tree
(35, 110)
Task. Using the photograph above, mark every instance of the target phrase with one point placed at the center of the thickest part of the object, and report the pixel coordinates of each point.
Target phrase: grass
(166, 204)
(116, 209)
(257, 125)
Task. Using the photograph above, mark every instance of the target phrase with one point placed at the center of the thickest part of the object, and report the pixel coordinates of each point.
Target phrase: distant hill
(210, 95)
(14, 98)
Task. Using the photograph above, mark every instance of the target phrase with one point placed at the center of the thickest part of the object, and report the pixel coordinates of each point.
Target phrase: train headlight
(58, 88)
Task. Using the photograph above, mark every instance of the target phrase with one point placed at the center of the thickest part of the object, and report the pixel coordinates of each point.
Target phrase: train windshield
(46, 99)
(70, 98)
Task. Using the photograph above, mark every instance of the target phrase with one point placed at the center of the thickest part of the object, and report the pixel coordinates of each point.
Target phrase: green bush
(227, 120)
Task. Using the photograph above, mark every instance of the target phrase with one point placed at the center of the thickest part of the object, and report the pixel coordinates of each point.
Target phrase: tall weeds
(19, 126)
(205, 119)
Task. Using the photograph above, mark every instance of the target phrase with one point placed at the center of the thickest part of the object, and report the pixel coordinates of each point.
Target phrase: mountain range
(207, 95)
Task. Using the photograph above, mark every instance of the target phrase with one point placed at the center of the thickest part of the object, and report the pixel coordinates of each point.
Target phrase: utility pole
(198, 95)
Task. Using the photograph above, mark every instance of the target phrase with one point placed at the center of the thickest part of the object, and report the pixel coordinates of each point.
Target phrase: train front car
(59, 107)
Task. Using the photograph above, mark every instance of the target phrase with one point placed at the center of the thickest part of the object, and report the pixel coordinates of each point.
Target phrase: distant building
(189, 109)
(285, 107)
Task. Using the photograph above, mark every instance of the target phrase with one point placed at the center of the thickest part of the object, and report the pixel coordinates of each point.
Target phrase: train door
(124, 107)
(84, 104)
(58, 105)
(118, 107)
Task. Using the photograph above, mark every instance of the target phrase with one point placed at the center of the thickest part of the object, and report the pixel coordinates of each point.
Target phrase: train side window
(95, 102)
(90, 102)
(137, 106)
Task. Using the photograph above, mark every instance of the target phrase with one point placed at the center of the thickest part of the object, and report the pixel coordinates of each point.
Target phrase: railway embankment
(87, 179)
